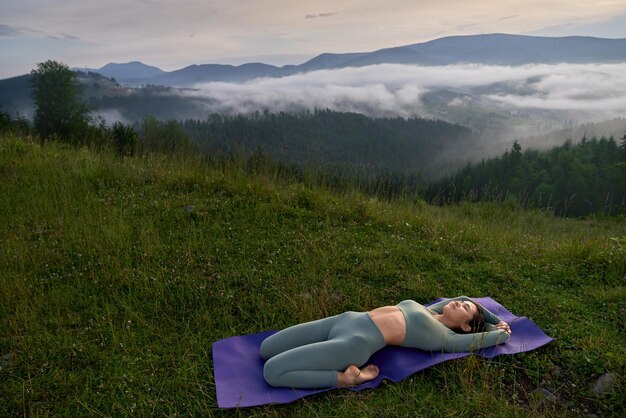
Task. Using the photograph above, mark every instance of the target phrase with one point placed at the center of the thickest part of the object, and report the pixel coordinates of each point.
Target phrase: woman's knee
(265, 350)
(271, 374)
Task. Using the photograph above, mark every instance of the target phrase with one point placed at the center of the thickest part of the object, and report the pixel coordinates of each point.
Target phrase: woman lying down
(330, 352)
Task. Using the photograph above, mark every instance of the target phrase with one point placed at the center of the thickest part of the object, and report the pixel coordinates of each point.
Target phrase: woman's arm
(490, 318)
(455, 343)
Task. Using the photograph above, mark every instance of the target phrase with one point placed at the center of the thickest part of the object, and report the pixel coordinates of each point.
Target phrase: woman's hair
(477, 323)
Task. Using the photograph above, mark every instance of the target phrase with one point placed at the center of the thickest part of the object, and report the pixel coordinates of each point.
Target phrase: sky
(174, 34)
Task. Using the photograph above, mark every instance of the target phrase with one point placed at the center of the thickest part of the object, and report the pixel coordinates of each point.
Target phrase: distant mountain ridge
(494, 49)
(125, 71)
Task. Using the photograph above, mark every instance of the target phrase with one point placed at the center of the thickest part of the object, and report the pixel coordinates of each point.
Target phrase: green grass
(111, 294)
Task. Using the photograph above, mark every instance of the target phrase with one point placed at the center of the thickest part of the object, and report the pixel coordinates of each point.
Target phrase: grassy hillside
(112, 288)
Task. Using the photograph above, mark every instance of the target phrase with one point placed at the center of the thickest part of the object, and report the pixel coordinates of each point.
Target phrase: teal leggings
(309, 355)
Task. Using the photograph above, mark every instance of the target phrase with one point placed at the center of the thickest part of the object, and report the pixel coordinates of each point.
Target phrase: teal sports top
(425, 332)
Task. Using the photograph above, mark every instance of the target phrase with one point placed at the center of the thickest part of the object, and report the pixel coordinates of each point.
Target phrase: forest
(571, 179)
(338, 141)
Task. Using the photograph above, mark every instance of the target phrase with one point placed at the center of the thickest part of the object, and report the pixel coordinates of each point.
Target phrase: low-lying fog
(392, 89)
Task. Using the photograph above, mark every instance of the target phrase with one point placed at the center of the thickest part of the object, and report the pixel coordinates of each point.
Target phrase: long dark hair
(477, 323)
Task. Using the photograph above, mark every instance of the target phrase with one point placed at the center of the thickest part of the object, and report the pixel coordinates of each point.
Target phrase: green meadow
(117, 275)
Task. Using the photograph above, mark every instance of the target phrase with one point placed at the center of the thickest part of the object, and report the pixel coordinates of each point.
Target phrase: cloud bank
(399, 90)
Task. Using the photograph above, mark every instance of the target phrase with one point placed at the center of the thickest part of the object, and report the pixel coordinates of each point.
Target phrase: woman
(328, 352)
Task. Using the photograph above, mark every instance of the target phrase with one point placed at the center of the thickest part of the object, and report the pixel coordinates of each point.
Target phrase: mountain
(127, 71)
(211, 72)
(326, 61)
(494, 49)
(503, 49)
(15, 96)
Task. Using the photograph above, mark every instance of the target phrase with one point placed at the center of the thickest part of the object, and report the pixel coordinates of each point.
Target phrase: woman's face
(460, 313)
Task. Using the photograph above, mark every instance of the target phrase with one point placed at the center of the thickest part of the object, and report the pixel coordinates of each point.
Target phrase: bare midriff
(391, 323)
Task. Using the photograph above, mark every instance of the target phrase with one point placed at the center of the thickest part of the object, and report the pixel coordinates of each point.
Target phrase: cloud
(507, 17)
(399, 90)
(63, 36)
(596, 87)
(6, 30)
(319, 15)
(608, 27)
(341, 90)
(69, 37)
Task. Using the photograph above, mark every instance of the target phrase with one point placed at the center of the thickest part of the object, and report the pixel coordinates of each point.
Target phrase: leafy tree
(59, 106)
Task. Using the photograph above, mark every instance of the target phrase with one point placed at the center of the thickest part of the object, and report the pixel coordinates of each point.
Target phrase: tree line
(570, 179)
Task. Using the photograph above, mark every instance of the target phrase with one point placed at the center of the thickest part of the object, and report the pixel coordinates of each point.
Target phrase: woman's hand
(503, 325)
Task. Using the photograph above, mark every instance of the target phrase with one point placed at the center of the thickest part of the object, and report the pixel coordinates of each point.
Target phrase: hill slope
(112, 287)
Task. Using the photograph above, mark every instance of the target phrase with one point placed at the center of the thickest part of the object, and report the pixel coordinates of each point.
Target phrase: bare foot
(353, 376)
(368, 373)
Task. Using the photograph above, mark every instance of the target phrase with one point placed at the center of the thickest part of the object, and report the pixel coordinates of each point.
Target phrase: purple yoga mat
(238, 367)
